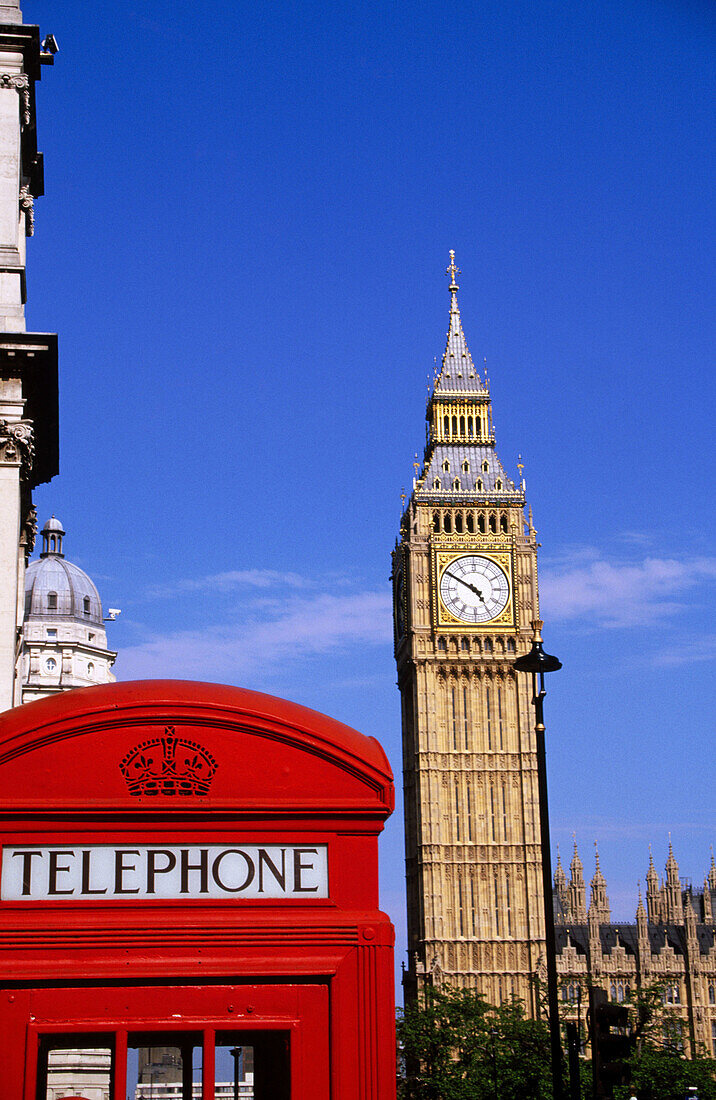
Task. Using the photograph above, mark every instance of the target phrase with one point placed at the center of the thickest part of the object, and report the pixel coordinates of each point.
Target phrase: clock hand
(467, 584)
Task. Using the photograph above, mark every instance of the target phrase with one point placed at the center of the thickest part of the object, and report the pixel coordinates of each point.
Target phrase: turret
(562, 913)
(599, 902)
(653, 900)
(577, 889)
(674, 903)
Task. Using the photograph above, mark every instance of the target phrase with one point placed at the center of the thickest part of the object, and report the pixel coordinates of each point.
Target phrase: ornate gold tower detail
(465, 593)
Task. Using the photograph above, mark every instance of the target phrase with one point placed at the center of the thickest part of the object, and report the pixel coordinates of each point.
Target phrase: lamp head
(537, 660)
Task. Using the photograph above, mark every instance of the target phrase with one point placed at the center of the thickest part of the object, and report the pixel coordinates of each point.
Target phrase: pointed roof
(560, 879)
(598, 879)
(458, 373)
(576, 867)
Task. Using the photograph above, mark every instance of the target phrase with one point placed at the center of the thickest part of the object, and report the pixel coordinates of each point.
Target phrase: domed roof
(57, 589)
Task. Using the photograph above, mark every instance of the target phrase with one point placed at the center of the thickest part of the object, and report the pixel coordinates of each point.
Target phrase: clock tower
(465, 594)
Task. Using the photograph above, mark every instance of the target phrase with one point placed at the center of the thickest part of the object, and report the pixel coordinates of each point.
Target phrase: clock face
(474, 589)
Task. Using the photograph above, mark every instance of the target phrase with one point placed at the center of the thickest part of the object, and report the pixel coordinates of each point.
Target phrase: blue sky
(242, 246)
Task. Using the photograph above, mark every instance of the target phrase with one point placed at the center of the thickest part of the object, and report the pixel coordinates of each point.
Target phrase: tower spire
(453, 271)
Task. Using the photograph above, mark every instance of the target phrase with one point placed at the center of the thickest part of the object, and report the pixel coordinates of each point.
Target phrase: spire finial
(453, 271)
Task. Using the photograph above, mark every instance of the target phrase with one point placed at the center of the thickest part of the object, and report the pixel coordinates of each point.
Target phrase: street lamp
(538, 662)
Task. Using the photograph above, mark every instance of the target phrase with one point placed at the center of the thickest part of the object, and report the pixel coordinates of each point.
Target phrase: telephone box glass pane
(83, 1073)
(252, 1065)
(164, 1066)
(234, 1076)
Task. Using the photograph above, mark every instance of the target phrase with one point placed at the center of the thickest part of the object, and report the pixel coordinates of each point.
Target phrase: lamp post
(538, 662)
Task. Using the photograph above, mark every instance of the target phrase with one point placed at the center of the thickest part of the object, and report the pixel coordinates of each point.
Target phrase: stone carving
(27, 203)
(17, 444)
(21, 83)
(28, 532)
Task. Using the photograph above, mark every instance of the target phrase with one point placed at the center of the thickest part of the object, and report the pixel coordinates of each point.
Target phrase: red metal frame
(284, 774)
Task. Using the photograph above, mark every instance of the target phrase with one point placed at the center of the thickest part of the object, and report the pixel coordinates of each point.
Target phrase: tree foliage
(456, 1046)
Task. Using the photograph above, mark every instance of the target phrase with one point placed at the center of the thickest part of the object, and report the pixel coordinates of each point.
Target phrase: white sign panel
(104, 872)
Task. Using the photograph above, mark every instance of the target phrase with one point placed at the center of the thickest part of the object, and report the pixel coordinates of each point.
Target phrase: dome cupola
(64, 639)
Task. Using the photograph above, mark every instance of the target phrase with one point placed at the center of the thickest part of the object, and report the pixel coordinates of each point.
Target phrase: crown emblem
(168, 765)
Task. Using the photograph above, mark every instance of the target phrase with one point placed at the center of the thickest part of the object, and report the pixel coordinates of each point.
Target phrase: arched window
(454, 425)
(712, 994)
(456, 483)
(446, 466)
(612, 992)
(86, 605)
(90, 669)
(485, 466)
(493, 523)
(52, 601)
(498, 484)
(503, 523)
(510, 645)
(446, 425)
(458, 522)
(466, 467)
(447, 523)
(442, 645)
(478, 485)
(471, 522)
(481, 523)
(488, 645)
(436, 483)
(465, 645)
(462, 425)
(436, 521)
(470, 429)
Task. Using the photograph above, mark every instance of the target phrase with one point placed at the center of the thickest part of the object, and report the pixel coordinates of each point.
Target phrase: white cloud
(588, 586)
(230, 581)
(296, 628)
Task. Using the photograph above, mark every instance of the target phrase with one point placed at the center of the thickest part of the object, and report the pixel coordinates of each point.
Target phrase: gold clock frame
(504, 558)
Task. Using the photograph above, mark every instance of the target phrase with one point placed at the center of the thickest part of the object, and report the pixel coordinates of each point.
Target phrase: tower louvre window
(470, 520)
(470, 429)
(446, 425)
(436, 521)
(493, 523)
(454, 425)
(465, 717)
(454, 720)
(447, 523)
(458, 522)
(503, 523)
(462, 425)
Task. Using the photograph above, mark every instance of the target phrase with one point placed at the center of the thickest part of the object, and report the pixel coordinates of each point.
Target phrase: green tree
(660, 1069)
(456, 1046)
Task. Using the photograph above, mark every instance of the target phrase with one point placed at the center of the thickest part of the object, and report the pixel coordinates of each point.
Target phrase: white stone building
(64, 638)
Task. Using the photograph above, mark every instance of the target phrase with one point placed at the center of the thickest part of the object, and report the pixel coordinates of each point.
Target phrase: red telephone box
(189, 900)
